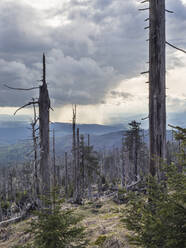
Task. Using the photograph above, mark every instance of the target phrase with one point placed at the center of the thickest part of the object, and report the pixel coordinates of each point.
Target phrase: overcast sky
(95, 51)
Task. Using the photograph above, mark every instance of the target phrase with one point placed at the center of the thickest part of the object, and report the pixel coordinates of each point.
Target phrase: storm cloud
(93, 47)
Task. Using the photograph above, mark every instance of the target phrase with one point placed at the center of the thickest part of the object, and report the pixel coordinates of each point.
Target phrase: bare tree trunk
(88, 140)
(157, 105)
(54, 161)
(135, 159)
(34, 138)
(54, 171)
(127, 168)
(83, 165)
(78, 173)
(44, 106)
(1, 213)
(74, 151)
(88, 173)
(66, 176)
(123, 164)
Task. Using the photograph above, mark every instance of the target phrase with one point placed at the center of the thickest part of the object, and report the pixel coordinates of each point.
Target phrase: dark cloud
(176, 29)
(102, 43)
(122, 95)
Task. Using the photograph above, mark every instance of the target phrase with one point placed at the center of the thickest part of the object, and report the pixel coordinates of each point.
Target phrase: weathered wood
(123, 163)
(88, 140)
(1, 213)
(74, 151)
(66, 175)
(44, 106)
(82, 152)
(11, 221)
(78, 172)
(157, 95)
(54, 162)
(35, 147)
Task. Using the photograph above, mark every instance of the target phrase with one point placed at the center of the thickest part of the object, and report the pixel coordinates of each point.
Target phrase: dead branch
(28, 104)
(177, 48)
(12, 88)
(144, 72)
(169, 11)
(133, 184)
(143, 119)
(143, 9)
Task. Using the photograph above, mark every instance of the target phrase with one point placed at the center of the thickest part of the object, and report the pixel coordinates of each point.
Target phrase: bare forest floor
(101, 219)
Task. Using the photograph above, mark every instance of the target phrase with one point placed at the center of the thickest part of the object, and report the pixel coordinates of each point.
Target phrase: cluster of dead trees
(81, 173)
(83, 167)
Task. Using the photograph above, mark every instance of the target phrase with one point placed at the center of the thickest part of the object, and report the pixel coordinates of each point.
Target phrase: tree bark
(35, 147)
(157, 104)
(74, 151)
(44, 106)
(66, 176)
(54, 161)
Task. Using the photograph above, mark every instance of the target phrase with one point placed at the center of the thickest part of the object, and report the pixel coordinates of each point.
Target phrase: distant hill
(11, 133)
(16, 143)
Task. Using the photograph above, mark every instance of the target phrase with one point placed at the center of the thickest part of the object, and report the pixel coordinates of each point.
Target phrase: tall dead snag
(74, 150)
(123, 164)
(44, 106)
(66, 175)
(35, 148)
(82, 164)
(157, 94)
(78, 171)
(54, 161)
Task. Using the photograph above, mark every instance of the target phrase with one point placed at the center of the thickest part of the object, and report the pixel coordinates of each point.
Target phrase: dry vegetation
(101, 219)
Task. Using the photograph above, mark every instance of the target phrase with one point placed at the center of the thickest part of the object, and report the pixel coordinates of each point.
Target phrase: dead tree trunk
(1, 213)
(44, 106)
(88, 140)
(74, 151)
(35, 147)
(54, 162)
(157, 104)
(66, 176)
(82, 152)
(123, 164)
(78, 172)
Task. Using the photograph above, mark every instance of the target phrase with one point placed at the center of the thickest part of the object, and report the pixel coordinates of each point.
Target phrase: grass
(102, 224)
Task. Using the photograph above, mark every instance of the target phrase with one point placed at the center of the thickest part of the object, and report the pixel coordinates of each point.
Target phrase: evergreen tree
(56, 228)
(158, 217)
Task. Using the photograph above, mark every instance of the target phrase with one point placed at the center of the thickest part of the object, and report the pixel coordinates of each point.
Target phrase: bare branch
(177, 48)
(28, 104)
(143, 119)
(169, 11)
(12, 88)
(145, 1)
(144, 72)
(143, 9)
